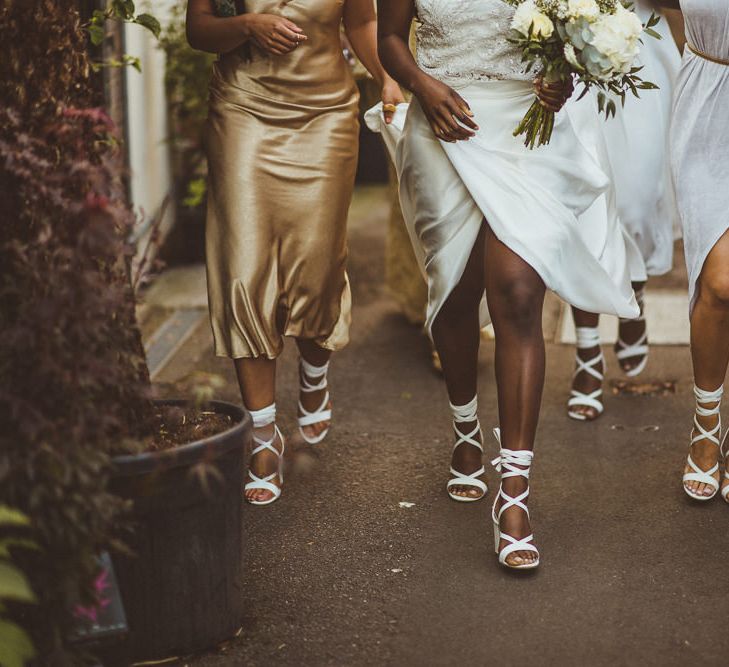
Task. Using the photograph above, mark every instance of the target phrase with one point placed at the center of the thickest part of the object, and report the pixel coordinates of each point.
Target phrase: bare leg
(710, 345)
(316, 356)
(584, 382)
(257, 381)
(516, 296)
(456, 338)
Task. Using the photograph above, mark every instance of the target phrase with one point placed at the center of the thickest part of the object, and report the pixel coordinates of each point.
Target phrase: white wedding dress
(638, 146)
(700, 133)
(554, 206)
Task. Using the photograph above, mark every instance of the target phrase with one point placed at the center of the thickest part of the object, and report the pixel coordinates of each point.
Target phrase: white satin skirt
(553, 206)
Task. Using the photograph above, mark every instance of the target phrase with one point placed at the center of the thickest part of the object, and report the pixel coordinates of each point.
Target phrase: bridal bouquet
(596, 41)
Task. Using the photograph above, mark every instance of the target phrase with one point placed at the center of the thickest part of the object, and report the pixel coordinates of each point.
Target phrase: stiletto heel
(512, 463)
(640, 348)
(587, 337)
(318, 382)
(463, 414)
(261, 418)
(697, 474)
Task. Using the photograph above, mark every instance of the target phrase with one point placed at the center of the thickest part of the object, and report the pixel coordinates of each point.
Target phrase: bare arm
(360, 24)
(668, 4)
(443, 106)
(208, 32)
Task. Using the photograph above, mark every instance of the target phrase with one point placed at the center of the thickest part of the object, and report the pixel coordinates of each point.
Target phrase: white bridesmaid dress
(638, 145)
(700, 132)
(554, 206)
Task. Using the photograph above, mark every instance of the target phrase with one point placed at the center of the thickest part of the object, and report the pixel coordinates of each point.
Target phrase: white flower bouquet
(594, 41)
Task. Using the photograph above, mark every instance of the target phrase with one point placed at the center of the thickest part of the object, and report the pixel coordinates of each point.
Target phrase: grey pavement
(340, 573)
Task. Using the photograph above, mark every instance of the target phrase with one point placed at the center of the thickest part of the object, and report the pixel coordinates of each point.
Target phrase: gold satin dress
(282, 142)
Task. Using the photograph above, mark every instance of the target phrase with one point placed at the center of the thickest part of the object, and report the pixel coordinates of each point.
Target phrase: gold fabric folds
(282, 142)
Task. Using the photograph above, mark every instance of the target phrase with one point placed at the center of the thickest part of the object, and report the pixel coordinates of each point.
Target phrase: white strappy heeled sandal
(262, 418)
(463, 414)
(713, 436)
(640, 348)
(512, 463)
(314, 378)
(587, 337)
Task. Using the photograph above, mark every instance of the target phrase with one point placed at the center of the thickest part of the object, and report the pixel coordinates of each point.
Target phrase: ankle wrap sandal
(639, 349)
(261, 418)
(712, 436)
(314, 378)
(587, 337)
(464, 414)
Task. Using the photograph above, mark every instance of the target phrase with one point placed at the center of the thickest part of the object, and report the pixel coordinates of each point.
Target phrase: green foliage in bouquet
(74, 388)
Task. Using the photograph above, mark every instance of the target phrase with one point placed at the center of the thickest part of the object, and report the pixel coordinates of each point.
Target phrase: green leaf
(149, 22)
(23, 543)
(123, 9)
(653, 33)
(12, 517)
(13, 584)
(15, 645)
(97, 34)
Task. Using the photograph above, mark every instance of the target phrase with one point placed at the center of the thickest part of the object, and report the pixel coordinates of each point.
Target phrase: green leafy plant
(16, 647)
(74, 387)
(187, 78)
(119, 10)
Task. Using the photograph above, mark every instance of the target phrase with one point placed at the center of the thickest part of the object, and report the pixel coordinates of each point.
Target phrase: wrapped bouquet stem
(594, 42)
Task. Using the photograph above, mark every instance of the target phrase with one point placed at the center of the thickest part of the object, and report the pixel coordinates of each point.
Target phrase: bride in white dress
(487, 214)
(637, 142)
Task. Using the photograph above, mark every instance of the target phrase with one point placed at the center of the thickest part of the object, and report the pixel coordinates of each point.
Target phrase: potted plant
(85, 452)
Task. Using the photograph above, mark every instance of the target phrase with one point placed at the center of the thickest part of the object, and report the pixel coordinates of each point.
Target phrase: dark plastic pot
(182, 589)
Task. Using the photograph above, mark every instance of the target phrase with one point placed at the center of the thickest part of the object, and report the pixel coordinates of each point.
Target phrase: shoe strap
(465, 414)
(524, 544)
(310, 374)
(268, 444)
(629, 350)
(587, 337)
(589, 366)
(591, 400)
(512, 463)
(703, 397)
(461, 479)
(322, 414)
(699, 475)
(264, 416)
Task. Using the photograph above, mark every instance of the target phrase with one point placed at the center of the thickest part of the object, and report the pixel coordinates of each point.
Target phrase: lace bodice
(460, 41)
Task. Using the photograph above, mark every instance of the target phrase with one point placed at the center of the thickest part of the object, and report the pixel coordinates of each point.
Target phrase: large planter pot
(182, 589)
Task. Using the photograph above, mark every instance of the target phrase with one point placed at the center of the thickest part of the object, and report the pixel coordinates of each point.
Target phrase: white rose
(617, 37)
(583, 9)
(527, 15)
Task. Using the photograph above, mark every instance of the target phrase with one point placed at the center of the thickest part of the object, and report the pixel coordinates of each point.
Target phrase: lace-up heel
(639, 349)
(512, 463)
(587, 338)
(697, 474)
(464, 414)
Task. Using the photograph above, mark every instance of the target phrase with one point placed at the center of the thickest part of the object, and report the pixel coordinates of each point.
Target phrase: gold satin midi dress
(282, 142)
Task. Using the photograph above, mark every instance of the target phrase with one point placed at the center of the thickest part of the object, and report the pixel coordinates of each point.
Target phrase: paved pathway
(341, 572)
